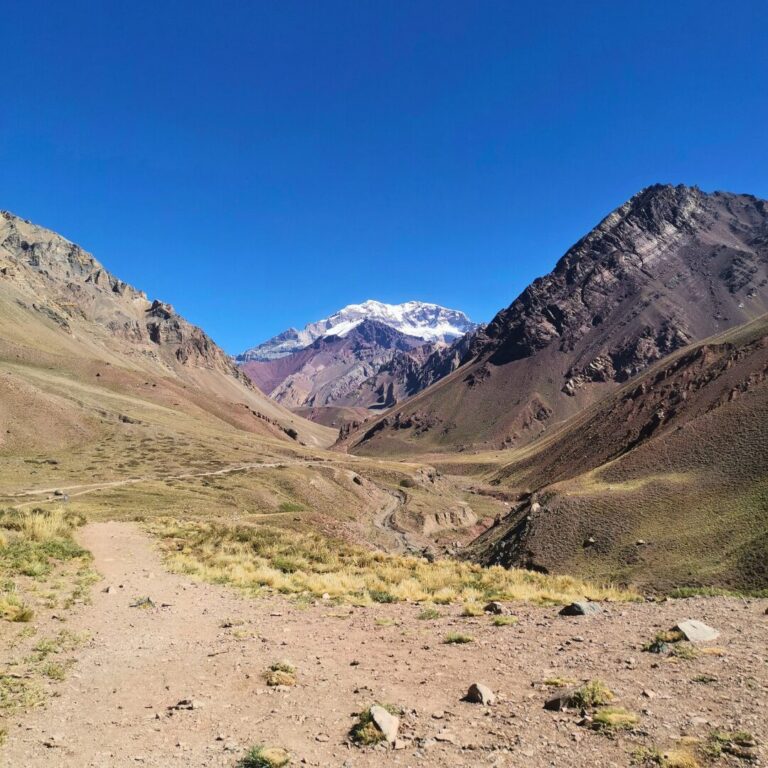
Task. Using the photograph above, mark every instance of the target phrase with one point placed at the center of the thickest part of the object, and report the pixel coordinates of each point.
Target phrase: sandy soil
(113, 708)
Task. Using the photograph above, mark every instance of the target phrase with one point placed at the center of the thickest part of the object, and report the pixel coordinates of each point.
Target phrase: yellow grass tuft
(259, 558)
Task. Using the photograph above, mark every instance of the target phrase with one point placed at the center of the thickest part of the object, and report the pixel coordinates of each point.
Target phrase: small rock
(386, 722)
(480, 694)
(494, 607)
(697, 631)
(445, 736)
(581, 609)
(187, 704)
(322, 737)
(560, 702)
(649, 694)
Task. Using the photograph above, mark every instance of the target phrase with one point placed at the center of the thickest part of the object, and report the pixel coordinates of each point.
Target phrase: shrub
(593, 693)
(457, 638)
(281, 673)
(614, 719)
(265, 757)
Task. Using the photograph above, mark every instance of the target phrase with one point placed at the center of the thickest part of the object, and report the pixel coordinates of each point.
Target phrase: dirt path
(112, 710)
(84, 488)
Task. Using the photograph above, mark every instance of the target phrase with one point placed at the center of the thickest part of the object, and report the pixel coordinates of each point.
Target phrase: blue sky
(261, 164)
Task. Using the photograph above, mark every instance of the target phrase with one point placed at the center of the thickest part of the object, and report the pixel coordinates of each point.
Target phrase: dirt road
(205, 643)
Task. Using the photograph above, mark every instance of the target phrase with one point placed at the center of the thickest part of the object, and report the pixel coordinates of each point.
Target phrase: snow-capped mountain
(429, 322)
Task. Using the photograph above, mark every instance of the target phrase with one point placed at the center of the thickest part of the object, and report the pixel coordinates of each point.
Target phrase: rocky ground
(206, 645)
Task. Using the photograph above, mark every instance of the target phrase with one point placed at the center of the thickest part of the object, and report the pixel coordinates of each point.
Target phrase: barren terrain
(210, 645)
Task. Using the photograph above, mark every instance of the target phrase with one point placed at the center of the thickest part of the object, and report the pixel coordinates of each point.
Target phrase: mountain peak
(419, 319)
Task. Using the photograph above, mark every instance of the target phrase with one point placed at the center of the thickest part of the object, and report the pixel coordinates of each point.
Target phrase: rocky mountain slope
(428, 322)
(366, 356)
(664, 482)
(671, 266)
(62, 312)
(329, 371)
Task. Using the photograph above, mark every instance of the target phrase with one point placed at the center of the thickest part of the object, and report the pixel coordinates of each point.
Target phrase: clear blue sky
(261, 164)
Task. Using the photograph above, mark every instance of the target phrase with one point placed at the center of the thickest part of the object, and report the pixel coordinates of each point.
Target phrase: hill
(67, 324)
(671, 266)
(664, 483)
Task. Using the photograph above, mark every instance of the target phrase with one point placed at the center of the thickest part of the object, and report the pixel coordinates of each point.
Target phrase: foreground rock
(386, 722)
(696, 631)
(480, 694)
(581, 609)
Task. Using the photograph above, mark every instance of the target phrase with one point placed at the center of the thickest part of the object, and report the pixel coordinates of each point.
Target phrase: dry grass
(265, 757)
(281, 673)
(593, 693)
(261, 558)
(614, 719)
(41, 567)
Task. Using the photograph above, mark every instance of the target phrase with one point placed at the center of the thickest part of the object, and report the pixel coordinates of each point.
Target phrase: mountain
(329, 371)
(366, 356)
(80, 349)
(663, 483)
(428, 322)
(671, 266)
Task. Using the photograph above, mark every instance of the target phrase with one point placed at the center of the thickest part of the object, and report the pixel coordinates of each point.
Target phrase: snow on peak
(430, 322)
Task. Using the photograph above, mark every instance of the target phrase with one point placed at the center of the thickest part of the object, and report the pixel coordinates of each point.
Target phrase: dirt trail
(84, 488)
(112, 710)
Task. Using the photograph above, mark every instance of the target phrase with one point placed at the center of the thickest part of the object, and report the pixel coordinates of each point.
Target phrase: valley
(398, 501)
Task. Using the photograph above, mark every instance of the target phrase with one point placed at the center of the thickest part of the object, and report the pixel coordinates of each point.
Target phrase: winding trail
(85, 488)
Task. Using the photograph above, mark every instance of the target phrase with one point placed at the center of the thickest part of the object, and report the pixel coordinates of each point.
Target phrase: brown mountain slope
(663, 483)
(329, 371)
(64, 317)
(671, 266)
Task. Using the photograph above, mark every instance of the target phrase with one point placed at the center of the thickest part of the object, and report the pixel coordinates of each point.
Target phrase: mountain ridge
(670, 266)
(424, 320)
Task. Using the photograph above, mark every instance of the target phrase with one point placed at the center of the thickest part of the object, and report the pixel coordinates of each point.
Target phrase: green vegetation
(429, 613)
(504, 621)
(614, 719)
(593, 693)
(736, 743)
(457, 638)
(253, 558)
(472, 609)
(34, 546)
(265, 757)
(559, 682)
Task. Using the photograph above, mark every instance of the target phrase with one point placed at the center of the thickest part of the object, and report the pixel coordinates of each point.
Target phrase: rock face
(671, 266)
(675, 458)
(366, 356)
(57, 299)
(338, 370)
